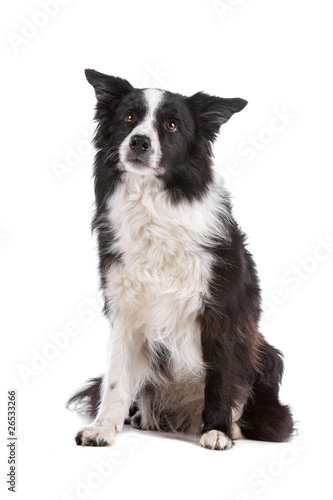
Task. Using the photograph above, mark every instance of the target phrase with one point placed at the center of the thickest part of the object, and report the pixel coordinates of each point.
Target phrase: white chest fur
(156, 291)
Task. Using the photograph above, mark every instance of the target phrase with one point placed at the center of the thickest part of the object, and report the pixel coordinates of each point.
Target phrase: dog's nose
(140, 144)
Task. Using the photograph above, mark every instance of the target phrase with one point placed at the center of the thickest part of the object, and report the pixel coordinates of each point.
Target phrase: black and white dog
(180, 288)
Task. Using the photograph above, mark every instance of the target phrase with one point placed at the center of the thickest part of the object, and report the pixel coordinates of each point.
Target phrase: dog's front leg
(116, 394)
(217, 414)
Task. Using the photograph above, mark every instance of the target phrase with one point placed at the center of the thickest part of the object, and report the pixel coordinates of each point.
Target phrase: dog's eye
(171, 126)
(130, 118)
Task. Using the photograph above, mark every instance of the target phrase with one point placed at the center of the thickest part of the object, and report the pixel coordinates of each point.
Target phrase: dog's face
(156, 132)
(153, 129)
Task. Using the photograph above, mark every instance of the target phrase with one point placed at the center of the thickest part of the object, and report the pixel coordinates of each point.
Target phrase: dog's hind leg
(264, 418)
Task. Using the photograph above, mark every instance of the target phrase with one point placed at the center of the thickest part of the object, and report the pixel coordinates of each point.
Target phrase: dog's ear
(109, 91)
(212, 112)
(107, 88)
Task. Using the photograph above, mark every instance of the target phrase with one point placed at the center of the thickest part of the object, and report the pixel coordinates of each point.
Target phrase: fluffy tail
(87, 400)
(264, 417)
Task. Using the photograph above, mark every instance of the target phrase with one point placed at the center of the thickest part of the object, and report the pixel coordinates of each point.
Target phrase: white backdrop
(276, 157)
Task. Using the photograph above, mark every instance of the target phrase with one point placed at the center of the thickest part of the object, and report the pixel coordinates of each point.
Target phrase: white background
(275, 54)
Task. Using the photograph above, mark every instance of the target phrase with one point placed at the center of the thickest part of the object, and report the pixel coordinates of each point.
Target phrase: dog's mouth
(139, 165)
(137, 161)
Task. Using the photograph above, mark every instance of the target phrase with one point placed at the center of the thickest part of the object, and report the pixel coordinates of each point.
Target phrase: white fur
(157, 289)
(215, 440)
(153, 99)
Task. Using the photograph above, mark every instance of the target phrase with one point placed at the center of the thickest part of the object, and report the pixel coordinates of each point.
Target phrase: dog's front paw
(215, 440)
(96, 435)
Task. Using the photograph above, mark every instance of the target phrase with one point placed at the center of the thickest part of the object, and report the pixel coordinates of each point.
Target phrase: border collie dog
(180, 288)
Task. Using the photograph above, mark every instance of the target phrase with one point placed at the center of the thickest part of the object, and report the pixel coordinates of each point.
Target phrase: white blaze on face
(153, 98)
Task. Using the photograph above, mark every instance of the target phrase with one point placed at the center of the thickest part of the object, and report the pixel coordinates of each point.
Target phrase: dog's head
(156, 132)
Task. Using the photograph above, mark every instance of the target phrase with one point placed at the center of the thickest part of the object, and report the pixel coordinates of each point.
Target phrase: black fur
(87, 400)
(242, 368)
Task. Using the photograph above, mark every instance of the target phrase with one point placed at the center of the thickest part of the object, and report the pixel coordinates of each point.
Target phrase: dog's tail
(87, 400)
(264, 417)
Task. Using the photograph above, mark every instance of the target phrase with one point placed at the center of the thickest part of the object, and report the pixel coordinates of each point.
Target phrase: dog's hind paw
(215, 440)
(236, 431)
